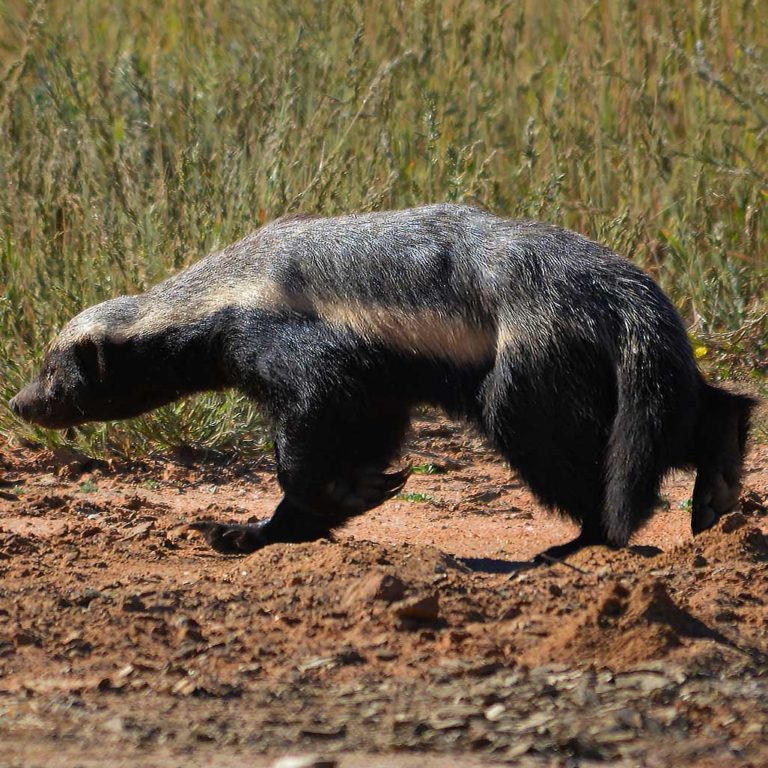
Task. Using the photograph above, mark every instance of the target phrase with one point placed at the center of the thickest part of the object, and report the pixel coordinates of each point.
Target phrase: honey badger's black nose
(26, 402)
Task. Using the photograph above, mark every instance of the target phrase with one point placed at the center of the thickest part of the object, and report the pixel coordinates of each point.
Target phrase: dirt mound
(734, 538)
(347, 559)
(351, 580)
(636, 619)
(625, 626)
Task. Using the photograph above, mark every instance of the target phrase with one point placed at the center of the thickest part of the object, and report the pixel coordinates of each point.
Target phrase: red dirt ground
(420, 629)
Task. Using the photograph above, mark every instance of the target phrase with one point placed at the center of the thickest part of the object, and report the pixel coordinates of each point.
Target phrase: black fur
(569, 358)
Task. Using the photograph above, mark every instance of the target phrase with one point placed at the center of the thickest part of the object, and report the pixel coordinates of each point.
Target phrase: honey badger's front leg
(330, 466)
(296, 520)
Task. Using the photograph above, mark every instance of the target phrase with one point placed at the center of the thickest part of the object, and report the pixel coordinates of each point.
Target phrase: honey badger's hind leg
(720, 442)
(556, 443)
(331, 461)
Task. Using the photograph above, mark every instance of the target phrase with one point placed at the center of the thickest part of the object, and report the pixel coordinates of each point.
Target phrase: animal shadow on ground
(493, 565)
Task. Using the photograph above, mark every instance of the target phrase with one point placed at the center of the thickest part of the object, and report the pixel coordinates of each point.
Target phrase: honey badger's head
(99, 369)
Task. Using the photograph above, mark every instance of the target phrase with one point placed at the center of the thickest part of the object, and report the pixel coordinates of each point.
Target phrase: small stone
(699, 561)
(447, 723)
(512, 612)
(376, 586)
(348, 656)
(133, 603)
(304, 761)
(140, 531)
(114, 724)
(25, 637)
(390, 589)
(494, 712)
(317, 663)
(753, 503)
(323, 731)
(645, 682)
(184, 687)
(426, 609)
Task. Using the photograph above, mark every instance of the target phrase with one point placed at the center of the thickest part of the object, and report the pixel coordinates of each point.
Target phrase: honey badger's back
(464, 273)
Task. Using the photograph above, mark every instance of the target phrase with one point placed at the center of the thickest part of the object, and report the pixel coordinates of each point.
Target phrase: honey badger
(568, 357)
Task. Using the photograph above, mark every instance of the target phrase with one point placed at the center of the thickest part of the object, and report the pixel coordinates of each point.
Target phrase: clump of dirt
(12, 543)
(626, 625)
(734, 537)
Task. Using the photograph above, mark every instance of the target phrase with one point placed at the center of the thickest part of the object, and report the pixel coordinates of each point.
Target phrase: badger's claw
(382, 486)
(232, 538)
(370, 489)
(703, 517)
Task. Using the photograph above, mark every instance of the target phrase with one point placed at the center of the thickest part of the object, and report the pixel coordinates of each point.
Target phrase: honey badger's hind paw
(231, 538)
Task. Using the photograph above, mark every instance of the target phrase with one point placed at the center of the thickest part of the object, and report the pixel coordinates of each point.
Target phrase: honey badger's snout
(39, 404)
(67, 384)
(66, 389)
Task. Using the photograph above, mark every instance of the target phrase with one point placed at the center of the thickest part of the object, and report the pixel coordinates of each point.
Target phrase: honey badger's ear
(89, 355)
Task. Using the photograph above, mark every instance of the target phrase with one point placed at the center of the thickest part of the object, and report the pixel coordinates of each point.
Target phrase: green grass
(135, 137)
(413, 497)
(426, 469)
(88, 487)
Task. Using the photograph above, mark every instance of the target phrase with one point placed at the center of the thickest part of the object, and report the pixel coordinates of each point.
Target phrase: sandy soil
(419, 636)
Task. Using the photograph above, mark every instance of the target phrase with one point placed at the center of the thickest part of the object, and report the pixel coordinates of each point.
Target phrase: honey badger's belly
(569, 358)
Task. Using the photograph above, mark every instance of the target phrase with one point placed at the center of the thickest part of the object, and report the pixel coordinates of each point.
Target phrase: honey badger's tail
(658, 393)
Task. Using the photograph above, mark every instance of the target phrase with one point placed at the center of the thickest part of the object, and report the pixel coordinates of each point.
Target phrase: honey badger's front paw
(231, 538)
(713, 496)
